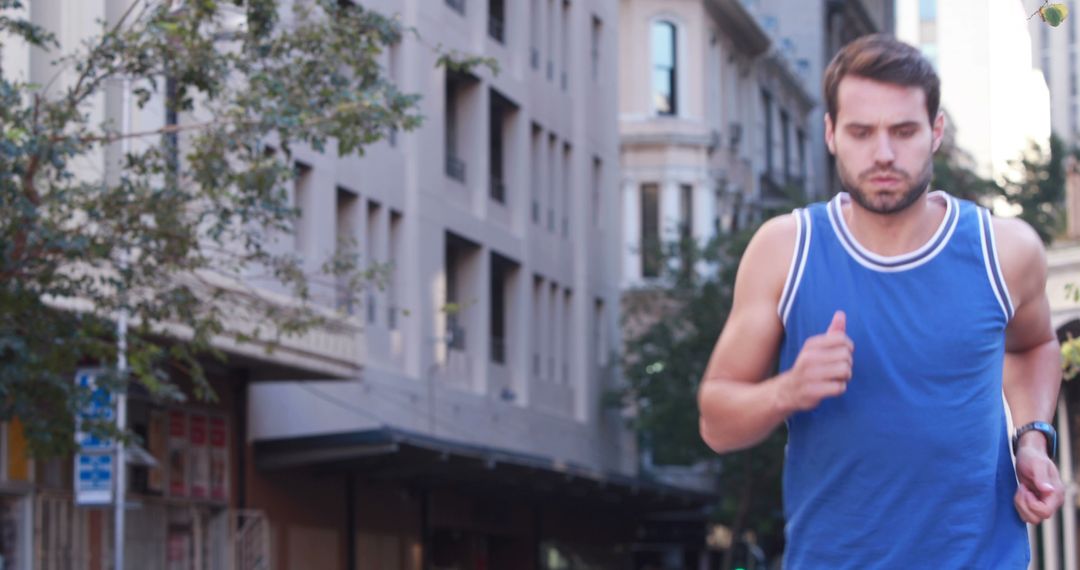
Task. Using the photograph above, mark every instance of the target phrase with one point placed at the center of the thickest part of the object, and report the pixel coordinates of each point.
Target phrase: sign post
(95, 469)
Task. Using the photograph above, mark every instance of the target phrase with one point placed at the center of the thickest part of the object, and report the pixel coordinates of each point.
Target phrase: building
(721, 116)
(454, 418)
(995, 99)
(810, 34)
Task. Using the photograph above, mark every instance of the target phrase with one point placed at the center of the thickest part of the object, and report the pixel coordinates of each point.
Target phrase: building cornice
(740, 25)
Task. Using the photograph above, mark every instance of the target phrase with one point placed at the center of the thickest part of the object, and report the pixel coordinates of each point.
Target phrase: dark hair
(882, 58)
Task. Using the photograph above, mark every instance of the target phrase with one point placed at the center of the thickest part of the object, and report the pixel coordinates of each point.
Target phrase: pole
(121, 368)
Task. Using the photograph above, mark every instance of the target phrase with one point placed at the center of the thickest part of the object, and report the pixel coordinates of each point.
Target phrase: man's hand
(1041, 491)
(822, 369)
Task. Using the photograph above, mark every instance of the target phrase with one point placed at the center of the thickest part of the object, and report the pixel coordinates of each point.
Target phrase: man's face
(883, 143)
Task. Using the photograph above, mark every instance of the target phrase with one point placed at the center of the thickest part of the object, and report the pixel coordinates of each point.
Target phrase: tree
(671, 331)
(1038, 188)
(175, 234)
(954, 172)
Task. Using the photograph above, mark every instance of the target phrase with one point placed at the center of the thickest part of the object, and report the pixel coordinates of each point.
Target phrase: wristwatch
(1046, 429)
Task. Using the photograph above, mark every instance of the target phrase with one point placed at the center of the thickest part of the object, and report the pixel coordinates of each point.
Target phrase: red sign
(217, 432)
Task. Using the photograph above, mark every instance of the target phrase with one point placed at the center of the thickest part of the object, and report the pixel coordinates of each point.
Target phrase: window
(394, 286)
(496, 19)
(538, 322)
(664, 68)
(536, 169)
(594, 49)
(599, 330)
(686, 210)
(455, 167)
(550, 39)
(553, 178)
(301, 198)
(566, 182)
(554, 327)
(650, 230)
(564, 44)
(800, 140)
(597, 181)
(785, 140)
(501, 271)
(460, 92)
(461, 257)
(496, 159)
(347, 209)
(766, 111)
(568, 335)
(372, 245)
(534, 33)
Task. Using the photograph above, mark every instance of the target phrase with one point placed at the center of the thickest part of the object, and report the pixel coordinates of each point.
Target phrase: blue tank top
(910, 468)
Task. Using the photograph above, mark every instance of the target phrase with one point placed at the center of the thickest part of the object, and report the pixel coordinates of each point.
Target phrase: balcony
(498, 190)
(391, 318)
(495, 29)
(455, 334)
(457, 5)
(455, 168)
(498, 350)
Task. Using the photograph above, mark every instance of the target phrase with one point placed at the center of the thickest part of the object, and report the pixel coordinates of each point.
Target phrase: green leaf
(1054, 14)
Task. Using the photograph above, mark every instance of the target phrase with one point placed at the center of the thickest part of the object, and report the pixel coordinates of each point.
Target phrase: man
(899, 315)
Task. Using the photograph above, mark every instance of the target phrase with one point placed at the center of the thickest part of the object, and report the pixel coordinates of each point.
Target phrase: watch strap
(1042, 427)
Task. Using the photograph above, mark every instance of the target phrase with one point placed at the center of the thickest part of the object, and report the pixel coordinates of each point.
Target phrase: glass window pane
(663, 44)
(662, 90)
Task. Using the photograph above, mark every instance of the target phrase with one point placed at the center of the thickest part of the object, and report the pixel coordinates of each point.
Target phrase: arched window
(665, 68)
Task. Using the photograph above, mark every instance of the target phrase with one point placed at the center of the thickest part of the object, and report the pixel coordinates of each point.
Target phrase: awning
(392, 454)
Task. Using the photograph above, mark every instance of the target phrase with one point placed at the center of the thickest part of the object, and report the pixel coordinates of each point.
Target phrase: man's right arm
(739, 405)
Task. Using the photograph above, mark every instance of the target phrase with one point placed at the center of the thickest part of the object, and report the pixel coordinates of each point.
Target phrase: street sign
(94, 478)
(95, 471)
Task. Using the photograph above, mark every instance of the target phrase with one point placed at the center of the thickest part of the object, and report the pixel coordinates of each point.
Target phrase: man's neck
(897, 233)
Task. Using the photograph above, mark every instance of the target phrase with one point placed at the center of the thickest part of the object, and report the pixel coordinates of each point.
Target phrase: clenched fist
(822, 369)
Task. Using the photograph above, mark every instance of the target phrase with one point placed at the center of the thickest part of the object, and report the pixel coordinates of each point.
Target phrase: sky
(982, 49)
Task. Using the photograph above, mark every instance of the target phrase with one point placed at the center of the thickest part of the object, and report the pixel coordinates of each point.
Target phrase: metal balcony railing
(498, 190)
(391, 318)
(495, 29)
(455, 335)
(455, 168)
(498, 350)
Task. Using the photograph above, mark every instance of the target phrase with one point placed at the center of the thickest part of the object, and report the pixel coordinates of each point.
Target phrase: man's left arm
(1032, 373)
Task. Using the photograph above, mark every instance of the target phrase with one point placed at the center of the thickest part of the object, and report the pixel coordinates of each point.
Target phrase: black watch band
(1043, 427)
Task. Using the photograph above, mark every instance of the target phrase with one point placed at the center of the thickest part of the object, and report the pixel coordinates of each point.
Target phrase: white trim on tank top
(904, 261)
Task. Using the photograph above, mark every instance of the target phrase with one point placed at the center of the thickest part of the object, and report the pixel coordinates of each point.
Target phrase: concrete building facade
(721, 114)
(454, 417)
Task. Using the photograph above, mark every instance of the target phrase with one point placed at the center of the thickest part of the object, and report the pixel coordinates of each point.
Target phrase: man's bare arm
(1032, 373)
(739, 407)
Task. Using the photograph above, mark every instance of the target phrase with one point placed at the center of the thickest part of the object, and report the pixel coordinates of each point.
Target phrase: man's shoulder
(770, 251)
(1021, 254)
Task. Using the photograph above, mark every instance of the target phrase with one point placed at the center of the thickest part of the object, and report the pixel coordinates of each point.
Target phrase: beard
(912, 187)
